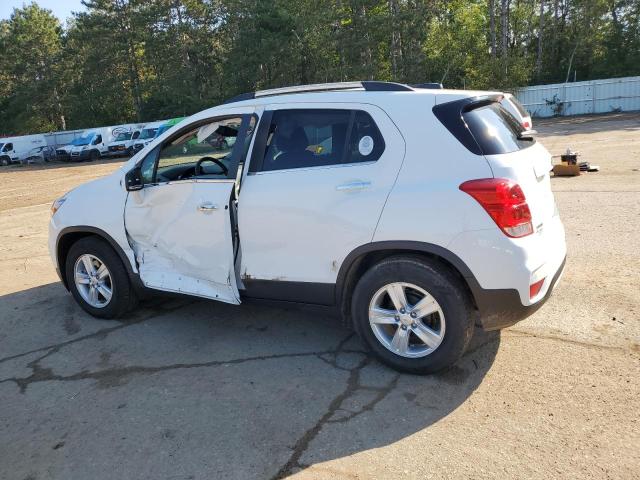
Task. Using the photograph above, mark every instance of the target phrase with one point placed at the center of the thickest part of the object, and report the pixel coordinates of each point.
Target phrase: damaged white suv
(415, 213)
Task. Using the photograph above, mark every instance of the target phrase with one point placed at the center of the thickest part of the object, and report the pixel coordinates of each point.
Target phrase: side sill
(283, 291)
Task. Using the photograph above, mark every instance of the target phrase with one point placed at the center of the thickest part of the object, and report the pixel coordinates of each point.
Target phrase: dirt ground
(190, 389)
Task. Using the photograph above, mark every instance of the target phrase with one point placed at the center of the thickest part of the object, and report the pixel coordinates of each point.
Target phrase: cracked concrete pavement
(190, 389)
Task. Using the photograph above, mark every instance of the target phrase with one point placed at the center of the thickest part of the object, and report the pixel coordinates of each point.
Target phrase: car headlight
(85, 147)
(55, 206)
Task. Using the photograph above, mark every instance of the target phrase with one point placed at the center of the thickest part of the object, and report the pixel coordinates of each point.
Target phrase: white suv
(414, 213)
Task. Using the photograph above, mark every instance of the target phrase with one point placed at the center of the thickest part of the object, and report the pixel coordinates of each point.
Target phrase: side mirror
(133, 179)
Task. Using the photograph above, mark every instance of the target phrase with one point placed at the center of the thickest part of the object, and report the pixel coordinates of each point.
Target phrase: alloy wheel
(407, 320)
(93, 280)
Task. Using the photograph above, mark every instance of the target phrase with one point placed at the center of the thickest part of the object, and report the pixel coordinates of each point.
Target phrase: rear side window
(495, 130)
(305, 138)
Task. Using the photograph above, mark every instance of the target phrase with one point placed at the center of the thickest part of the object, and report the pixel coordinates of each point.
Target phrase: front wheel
(413, 314)
(98, 280)
(95, 155)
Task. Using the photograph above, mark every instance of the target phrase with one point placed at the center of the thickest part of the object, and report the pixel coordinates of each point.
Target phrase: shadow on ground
(198, 389)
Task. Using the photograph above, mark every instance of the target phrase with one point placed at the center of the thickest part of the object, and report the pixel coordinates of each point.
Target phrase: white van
(149, 132)
(124, 138)
(16, 149)
(92, 145)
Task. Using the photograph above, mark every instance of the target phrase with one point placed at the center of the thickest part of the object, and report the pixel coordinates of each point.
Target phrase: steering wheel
(198, 167)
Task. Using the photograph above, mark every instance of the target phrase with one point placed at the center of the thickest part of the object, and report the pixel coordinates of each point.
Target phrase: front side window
(208, 150)
(8, 147)
(319, 137)
(204, 151)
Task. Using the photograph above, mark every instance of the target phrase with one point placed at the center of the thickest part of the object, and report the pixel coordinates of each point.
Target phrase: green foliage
(140, 60)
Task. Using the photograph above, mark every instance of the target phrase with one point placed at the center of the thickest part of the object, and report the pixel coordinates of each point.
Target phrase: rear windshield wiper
(527, 135)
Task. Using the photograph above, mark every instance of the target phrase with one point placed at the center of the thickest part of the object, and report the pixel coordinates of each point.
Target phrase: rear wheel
(413, 314)
(98, 280)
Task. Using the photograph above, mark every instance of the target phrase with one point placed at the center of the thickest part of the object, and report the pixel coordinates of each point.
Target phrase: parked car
(425, 212)
(515, 108)
(16, 149)
(40, 155)
(63, 153)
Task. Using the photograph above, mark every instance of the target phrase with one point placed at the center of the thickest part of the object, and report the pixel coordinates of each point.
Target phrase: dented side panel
(179, 246)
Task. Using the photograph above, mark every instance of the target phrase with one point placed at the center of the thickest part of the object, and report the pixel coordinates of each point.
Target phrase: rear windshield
(495, 130)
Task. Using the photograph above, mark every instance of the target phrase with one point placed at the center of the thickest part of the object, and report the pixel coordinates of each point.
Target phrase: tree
(31, 42)
(142, 60)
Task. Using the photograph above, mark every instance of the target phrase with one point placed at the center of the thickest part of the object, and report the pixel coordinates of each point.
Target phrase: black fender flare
(79, 231)
(405, 246)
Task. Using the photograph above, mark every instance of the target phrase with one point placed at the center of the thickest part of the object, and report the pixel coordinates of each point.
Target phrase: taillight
(534, 289)
(505, 203)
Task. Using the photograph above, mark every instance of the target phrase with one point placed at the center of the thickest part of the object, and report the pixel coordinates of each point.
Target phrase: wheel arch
(363, 257)
(70, 235)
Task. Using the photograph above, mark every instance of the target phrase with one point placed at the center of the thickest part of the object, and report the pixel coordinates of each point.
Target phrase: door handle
(353, 186)
(207, 207)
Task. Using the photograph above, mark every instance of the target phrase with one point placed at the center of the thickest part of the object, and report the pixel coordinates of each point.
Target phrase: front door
(180, 224)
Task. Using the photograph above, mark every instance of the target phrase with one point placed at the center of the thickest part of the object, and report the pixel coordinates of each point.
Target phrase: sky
(60, 8)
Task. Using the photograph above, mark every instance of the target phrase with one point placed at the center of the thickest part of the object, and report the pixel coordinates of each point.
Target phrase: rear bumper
(501, 308)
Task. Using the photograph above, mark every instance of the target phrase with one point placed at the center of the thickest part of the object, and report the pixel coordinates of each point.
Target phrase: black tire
(5, 161)
(123, 296)
(94, 155)
(447, 290)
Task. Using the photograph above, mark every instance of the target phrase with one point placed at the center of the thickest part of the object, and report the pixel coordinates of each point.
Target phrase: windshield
(123, 136)
(82, 140)
(1, 145)
(148, 133)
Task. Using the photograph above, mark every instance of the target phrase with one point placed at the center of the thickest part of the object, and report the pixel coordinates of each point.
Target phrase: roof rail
(367, 85)
(374, 86)
(429, 85)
